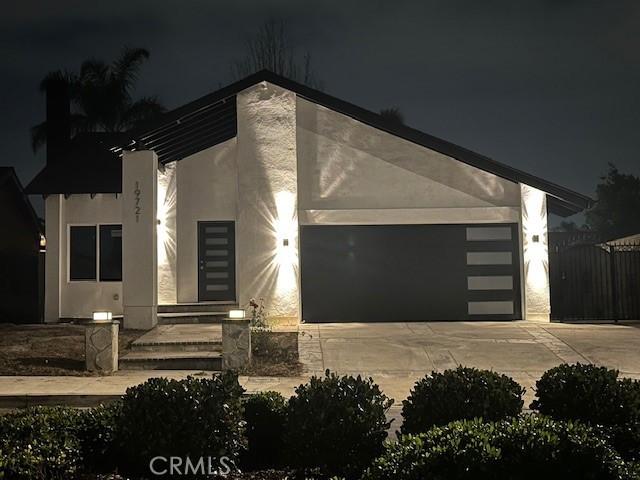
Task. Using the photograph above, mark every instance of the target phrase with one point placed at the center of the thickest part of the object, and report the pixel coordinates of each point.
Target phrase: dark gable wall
(19, 245)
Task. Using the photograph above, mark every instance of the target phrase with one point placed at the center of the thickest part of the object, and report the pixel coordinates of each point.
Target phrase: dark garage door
(382, 273)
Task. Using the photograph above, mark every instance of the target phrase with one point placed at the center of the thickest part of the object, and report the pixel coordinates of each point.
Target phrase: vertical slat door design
(216, 261)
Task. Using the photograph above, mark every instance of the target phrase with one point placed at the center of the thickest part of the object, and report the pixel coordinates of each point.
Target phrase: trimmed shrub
(461, 394)
(181, 418)
(265, 415)
(98, 437)
(336, 425)
(40, 443)
(529, 447)
(593, 395)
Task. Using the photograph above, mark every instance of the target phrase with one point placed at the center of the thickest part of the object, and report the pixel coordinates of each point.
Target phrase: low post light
(102, 316)
(237, 314)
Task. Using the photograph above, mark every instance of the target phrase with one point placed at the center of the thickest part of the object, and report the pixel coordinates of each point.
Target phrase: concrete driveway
(397, 354)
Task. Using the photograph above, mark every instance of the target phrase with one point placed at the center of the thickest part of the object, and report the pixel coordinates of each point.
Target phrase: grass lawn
(48, 349)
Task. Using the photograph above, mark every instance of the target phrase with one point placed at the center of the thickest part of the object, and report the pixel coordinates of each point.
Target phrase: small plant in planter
(258, 314)
(461, 394)
(336, 425)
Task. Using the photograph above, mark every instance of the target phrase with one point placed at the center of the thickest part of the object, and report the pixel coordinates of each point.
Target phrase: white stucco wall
(207, 189)
(267, 199)
(82, 298)
(349, 172)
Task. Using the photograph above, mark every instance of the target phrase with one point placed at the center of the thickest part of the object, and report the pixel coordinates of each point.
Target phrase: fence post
(614, 283)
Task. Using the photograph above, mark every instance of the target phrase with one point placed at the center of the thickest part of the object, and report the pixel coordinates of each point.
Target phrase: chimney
(58, 120)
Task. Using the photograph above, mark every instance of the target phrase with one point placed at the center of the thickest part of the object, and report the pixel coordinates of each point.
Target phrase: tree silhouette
(101, 96)
(271, 48)
(616, 212)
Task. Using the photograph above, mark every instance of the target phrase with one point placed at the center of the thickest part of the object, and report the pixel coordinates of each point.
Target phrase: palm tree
(101, 96)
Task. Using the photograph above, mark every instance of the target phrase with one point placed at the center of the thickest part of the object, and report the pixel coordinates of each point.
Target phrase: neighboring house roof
(211, 119)
(9, 179)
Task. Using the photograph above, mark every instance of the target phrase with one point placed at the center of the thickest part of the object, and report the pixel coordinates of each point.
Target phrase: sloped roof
(211, 119)
(8, 177)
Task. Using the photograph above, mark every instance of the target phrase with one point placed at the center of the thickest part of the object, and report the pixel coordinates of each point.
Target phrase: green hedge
(336, 425)
(181, 418)
(40, 443)
(265, 415)
(530, 447)
(98, 436)
(460, 394)
(594, 395)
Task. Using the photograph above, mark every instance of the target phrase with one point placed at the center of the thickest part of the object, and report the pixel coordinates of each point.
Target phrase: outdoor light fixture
(285, 242)
(237, 314)
(102, 316)
(535, 238)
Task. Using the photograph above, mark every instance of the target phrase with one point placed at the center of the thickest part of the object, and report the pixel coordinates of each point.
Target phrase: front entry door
(216, 261)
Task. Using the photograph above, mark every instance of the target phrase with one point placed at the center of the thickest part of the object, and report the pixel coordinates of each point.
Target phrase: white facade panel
(79, 299)
(207, 189)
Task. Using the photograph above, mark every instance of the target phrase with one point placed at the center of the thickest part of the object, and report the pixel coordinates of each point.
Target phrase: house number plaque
(138, 207)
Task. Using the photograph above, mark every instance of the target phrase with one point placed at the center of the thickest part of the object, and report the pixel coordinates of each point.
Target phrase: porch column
(139, 243)
(535, 252)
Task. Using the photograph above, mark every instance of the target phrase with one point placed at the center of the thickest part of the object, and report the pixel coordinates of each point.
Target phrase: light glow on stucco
(166, 234)
(286, 241)
(535, 253)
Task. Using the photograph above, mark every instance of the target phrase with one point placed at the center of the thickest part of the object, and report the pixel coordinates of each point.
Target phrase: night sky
(549, 86)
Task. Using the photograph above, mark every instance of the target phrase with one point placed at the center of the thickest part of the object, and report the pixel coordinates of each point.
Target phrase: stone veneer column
(535, 252)
(53, 257)
(267, 222)
(101, 346)
(236, 344)
(139, 239)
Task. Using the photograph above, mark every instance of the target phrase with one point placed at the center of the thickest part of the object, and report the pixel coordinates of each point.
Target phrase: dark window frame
(98, 277)
(101, 271)
(69, 254)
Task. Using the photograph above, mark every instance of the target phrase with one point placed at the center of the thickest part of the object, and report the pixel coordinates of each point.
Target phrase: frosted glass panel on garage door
(489, 258)
(488, 233)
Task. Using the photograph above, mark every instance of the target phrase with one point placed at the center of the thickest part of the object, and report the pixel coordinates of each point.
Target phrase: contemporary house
(21, 260)
(270, 189)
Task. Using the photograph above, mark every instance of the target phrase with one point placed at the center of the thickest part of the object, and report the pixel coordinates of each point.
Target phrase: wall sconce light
(285, 242)
(238, 314)
(535, 238)
(102, 316)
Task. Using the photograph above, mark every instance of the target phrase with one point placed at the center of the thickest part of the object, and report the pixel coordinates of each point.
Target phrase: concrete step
(141, 360)
(200, 307)
(205, 346)
(190, 318)
(185, 318)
